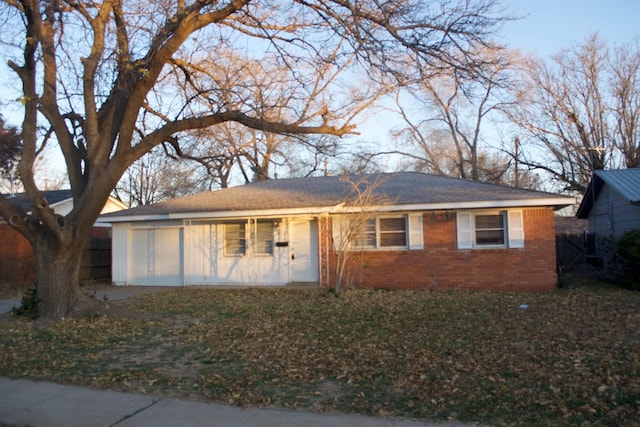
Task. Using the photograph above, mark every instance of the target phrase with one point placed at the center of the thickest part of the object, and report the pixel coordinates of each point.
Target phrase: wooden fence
(96, 259)
(576, 250)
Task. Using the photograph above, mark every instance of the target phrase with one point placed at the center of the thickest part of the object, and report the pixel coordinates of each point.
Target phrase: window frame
(377, 230)
(505, 235)
(380, 232)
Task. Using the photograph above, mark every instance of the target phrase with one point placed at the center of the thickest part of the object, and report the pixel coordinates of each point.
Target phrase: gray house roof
(21, 200)
(393, 191)
(624, 181)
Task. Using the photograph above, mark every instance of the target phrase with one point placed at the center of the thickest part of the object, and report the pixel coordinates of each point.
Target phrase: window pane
(393, 239)
(234, 239)
(490, 237)
(490, 229)
(392, 224)
(264, 238)
(393, 232)
(488, 221)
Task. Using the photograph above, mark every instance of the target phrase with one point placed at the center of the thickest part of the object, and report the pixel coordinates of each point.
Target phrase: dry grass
(570, 357)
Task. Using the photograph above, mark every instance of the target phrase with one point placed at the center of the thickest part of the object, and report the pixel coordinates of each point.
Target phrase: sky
(550, 25)
(546, 27)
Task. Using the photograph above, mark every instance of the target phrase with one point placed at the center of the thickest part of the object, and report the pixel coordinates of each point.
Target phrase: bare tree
(578, 111)
(106, 81)
(10, 151)
(156, 177)
(257, 154)
(350, 232)
(625, 84)
(453, 114)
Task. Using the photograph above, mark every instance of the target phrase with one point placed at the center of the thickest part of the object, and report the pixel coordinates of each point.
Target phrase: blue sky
(550, 25)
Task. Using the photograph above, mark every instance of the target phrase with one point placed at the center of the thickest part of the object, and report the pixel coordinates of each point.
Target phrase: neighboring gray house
(612, 207)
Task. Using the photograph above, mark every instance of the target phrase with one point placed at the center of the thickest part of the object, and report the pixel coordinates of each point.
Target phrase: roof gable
(624, 181)
(60, 200)
(394, 189)
(21, 200)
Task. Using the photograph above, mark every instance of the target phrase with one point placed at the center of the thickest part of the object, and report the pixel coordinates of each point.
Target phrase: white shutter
(515, 229)
(415, 231)
(465, 230)
(336, 232)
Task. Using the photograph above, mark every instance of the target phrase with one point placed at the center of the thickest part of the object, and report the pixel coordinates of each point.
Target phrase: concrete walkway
(6, 305)
(32, 403)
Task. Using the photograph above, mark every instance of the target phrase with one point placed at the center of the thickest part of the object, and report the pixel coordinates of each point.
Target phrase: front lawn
(569, 357)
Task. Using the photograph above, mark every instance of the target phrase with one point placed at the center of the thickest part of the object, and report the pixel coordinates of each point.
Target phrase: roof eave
(554, 202)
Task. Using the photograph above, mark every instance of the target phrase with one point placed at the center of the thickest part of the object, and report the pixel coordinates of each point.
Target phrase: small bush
(628, 250)
(29, 305)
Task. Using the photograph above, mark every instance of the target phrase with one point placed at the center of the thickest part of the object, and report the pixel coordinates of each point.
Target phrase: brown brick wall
(17, 264)
(442, 266)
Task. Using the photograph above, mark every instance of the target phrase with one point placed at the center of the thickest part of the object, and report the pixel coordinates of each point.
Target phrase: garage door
(156, 257)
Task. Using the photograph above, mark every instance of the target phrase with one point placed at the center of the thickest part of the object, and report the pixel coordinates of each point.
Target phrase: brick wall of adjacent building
(17, 265)
(441, 265)
(17, 262)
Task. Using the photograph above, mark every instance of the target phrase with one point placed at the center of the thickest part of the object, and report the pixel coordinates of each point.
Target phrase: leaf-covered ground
(570, 357)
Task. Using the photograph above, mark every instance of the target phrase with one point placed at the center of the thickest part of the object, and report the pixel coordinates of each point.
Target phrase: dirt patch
(87, 307)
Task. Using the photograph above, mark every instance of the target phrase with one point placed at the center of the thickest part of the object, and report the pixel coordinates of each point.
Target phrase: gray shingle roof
(22, 201)
(402, 188)
(624, 181)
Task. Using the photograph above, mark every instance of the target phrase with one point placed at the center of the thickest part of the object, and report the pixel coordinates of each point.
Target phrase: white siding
(156, 256)
(119, 253)
(206, 263)
(200, 254)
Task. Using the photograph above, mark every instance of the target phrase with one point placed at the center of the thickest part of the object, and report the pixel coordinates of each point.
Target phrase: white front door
(303, 251)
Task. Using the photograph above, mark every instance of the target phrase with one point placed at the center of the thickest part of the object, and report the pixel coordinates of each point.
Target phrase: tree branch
(163, 134)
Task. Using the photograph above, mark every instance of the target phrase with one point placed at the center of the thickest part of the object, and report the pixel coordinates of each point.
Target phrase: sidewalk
(31, 403)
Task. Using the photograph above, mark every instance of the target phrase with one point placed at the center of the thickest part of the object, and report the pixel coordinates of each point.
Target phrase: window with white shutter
(381, 232)
(490, 229)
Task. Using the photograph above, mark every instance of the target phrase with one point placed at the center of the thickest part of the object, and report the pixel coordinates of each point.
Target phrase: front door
(303, 251)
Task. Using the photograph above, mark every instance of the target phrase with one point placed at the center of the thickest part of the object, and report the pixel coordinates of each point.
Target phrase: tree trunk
(58, 273)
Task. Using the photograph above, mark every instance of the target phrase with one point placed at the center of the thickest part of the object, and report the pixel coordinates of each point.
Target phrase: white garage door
(156, 257)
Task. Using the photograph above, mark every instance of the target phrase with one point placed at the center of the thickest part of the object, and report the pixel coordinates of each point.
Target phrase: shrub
(29, 306)
(628, 250)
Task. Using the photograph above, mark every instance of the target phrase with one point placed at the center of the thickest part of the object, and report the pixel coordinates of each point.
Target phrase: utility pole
(516, 143)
